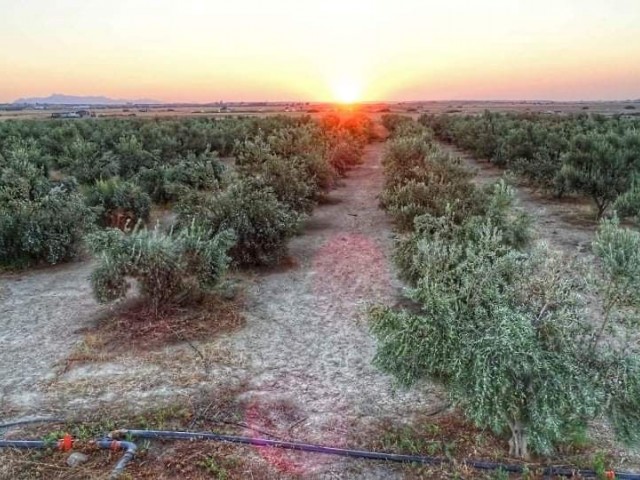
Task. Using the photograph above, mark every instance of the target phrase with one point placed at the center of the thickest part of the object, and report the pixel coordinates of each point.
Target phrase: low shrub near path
(165, 265)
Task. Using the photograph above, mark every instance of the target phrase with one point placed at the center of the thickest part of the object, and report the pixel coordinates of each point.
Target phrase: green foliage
(502, 326)
(132, 156)
(502, 211)
(599, 466)
(498, 330)
(213, 468)
(284, 166)
(291, 178)
(168, 183)
(619, 251)
(262, 224)
(615, 358)
(404, 157)
(118, 203)
(627, 205)
(85, 161)
(513, 225)
(597, 166)
(344, 153)
(592, 155)
(439, 183)
(40, 220)
(399, 125)
(165, 265)
(500, 474)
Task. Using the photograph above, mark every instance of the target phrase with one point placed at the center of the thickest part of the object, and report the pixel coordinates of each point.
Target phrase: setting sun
(346, 90)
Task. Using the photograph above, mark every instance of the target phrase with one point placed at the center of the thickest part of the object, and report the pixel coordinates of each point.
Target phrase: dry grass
(131, 357)
(449, 436)
(136, 328)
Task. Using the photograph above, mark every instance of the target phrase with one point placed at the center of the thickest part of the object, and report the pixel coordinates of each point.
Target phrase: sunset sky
(317, 50)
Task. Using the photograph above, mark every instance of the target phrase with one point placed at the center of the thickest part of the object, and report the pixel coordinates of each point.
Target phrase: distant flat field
(411, 108)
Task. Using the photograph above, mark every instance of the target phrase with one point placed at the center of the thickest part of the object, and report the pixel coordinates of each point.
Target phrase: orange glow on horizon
(321, 50)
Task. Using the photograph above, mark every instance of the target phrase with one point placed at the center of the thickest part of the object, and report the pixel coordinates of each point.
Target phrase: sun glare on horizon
(346, 90)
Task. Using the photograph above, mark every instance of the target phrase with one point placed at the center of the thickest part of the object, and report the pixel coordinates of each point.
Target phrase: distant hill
(59, 99)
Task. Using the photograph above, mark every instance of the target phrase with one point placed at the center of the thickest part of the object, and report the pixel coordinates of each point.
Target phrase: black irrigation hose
(130, 451)
(24, 444)
(390, 457)
(30, 421)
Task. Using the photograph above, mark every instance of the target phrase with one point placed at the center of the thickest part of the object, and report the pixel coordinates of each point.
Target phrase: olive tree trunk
(518, 442)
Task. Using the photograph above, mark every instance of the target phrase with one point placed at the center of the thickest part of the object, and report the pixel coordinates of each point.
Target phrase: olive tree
(263, 225)
(505, 332)
(166, 265)
(601, 166)
(498, 329)
(118, 203)
(628, 204)
(619, 252)
(40, 220)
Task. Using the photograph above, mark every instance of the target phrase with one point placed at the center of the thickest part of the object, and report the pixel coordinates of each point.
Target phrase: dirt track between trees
(307, 341)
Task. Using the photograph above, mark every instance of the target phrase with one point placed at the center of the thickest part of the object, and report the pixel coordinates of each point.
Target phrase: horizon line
(319, 102)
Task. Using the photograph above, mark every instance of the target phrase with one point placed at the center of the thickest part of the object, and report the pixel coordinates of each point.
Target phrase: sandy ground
(307, 337)
(40, 312)
(305, 349)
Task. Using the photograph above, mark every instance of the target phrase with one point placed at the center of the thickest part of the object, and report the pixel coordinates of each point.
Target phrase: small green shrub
(601, 167)
(118, 203)
(290, 182)
(344, 154)
(497, 325)
(627, 205)
(87, 163)
(292, 178)
(132, 156)
(166, 265)
(440, 183)
(403, 158)
(262, 224)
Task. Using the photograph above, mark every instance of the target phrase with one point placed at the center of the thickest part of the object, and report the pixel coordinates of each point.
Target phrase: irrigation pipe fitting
(129, 448)
(66, 443)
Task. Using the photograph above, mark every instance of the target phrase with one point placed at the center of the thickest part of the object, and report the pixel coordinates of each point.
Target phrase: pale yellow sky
(197, 50)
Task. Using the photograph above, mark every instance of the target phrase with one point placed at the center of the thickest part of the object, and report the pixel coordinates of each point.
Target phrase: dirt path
(567, 224)
(307, 340)
(304, 358)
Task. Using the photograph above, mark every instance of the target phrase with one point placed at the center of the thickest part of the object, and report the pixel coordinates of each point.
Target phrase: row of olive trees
(594, 156)
(502, 323)
(62, 179)
(245, 216)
